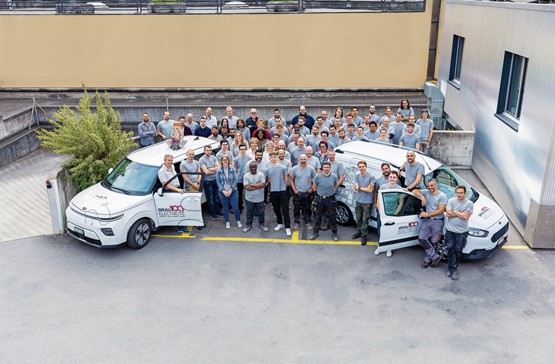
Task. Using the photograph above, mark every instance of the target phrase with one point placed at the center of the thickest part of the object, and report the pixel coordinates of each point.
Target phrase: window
(511, 90)
(456, 60)
(400, 204)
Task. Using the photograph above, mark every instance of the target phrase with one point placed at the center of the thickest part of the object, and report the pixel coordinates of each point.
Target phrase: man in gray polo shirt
(458, 211)
(278, 176)
(254, 182)
(325, 185)
(432, 222)
(301, 185)
(414, 172)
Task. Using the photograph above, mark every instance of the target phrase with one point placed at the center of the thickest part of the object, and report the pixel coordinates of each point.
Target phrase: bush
(94, 141)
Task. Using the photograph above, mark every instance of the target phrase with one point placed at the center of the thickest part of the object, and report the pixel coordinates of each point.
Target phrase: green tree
(94, 141)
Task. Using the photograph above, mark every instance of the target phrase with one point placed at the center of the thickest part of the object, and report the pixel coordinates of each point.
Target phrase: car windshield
(132, 178)
(447, 181)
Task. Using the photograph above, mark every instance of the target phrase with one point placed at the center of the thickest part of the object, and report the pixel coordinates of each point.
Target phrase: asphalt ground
(225, 301)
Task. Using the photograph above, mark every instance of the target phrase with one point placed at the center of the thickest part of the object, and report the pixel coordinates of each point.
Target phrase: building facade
(498, 77)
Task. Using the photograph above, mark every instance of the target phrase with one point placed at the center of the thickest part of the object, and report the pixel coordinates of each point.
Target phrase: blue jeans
(255, 209)
(455, 243)
(211, 193)
(233, 201)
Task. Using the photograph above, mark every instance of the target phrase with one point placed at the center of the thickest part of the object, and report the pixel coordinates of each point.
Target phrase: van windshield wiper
(121, 190)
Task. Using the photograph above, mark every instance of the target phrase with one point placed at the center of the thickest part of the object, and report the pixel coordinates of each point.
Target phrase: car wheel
(139, 234)
(343, 214)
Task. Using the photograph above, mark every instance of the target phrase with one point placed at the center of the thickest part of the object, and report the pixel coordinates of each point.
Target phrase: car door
(400, 221)
(176, 209)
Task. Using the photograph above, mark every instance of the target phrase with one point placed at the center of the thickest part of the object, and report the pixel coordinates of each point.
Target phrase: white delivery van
(131, 202)
(489, 226)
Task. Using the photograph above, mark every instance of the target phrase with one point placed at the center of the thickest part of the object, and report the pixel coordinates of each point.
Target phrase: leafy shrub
(94, 141)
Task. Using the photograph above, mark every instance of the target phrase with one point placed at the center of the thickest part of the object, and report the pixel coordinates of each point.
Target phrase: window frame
(513, 65)
(457, 52)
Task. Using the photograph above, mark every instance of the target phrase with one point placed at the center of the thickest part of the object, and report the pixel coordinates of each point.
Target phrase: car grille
(84, 238)
(500, 233)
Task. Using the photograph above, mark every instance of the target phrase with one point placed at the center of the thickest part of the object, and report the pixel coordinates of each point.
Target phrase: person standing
(254, 182)
(364, 185)
(278, 176)
(226, 178)
(211, 120)
(325, 185)
(301, 185)
(190, 123)
(241, 165)
(432, 222)
(458, 211)
(146, 131)
(209, 166)
(232, 119)
(164, 128)
(203, 130)
(410, 139)
(191, 180)
(426, 131)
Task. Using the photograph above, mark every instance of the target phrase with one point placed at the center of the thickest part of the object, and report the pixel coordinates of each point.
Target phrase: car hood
(99, 201)
(486, 213)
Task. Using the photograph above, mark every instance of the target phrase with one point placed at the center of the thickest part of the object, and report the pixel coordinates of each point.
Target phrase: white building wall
(516, 166)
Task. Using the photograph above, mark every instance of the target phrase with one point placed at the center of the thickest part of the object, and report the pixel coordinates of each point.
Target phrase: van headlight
(477, 232)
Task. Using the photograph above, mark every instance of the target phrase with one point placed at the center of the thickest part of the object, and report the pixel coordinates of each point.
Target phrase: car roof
(392, 154)
(154, 155)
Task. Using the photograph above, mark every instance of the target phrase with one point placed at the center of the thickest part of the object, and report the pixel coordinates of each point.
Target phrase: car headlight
(110, 219)
(477, 232)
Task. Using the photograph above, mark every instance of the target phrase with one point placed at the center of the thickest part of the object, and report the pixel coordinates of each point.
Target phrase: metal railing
(207, 6)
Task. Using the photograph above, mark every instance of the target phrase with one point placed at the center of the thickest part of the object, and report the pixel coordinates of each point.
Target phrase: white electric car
(489, 226)
(131, 202)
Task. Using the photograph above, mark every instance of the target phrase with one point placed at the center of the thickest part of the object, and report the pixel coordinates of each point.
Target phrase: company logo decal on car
(485, 212)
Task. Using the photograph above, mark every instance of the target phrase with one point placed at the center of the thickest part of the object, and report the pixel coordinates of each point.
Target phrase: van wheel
(139, 234)
(343, 214)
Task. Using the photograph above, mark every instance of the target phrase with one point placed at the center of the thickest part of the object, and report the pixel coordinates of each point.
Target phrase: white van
(131, 202)
(489, 226)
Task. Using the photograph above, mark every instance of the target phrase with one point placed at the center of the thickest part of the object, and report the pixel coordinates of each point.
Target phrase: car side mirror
(110, 170)
(160, 192)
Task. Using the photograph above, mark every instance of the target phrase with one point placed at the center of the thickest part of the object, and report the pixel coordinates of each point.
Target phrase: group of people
(279, 160)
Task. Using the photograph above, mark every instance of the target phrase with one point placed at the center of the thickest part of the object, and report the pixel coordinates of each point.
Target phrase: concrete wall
(241, 51)
(15, 123)
(66, 191)
(453, 148)
(18, 146)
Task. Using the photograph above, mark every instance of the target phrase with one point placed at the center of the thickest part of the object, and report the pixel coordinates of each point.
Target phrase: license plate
(79, 231)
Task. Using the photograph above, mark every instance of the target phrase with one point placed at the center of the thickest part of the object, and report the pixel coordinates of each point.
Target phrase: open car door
(175, 209)
(400, 222)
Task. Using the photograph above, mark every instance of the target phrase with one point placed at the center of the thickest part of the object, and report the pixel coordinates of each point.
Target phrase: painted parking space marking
(293, 240)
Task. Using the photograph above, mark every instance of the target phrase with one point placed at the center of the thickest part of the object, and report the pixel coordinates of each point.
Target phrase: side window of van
(401, 204)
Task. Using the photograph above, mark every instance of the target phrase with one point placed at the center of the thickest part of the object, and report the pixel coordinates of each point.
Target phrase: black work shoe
(335, 237)
(363, 240)
(356, 235)
(425, 265)
(435, 262)
(313, 236)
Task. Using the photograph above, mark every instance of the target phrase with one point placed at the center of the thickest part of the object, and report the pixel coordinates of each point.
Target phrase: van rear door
(399, 219)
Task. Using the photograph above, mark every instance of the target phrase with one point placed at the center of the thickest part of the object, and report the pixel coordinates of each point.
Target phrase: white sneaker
(227, 226)
(288, 231)
(279, 227)
(239, 224)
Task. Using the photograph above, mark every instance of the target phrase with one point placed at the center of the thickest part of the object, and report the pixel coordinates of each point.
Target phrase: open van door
(175, 209)
(399, 218)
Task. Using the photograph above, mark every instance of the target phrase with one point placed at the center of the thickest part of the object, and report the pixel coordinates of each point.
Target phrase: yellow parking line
(294, 240)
